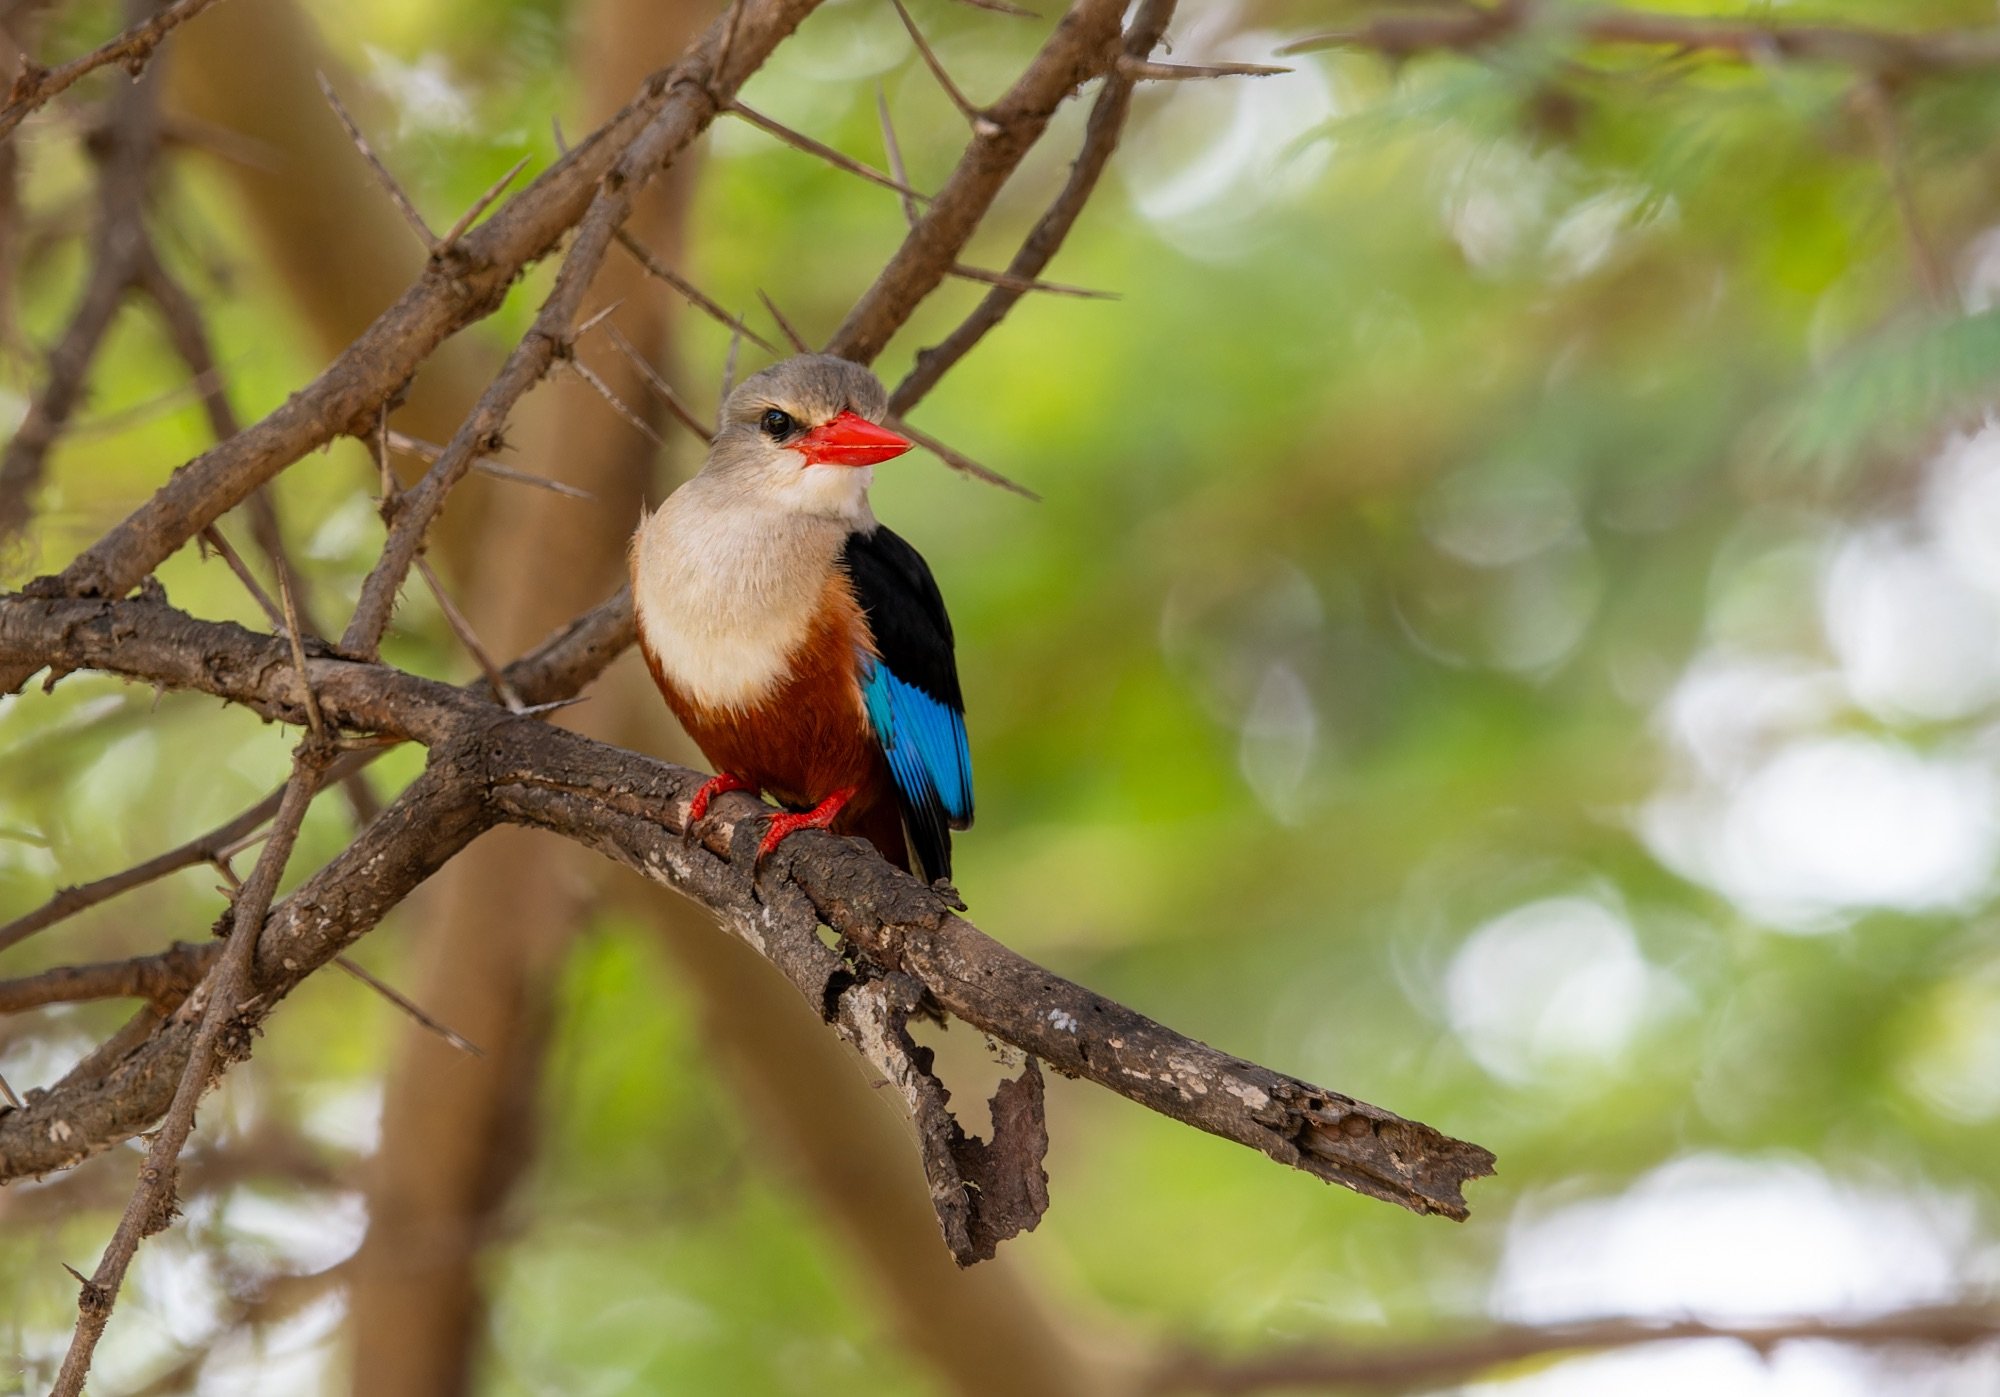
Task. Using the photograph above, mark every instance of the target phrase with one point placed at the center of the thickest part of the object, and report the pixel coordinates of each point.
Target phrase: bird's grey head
(802, 437)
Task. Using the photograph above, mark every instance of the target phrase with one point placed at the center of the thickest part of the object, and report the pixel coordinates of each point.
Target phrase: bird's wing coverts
(912, 693)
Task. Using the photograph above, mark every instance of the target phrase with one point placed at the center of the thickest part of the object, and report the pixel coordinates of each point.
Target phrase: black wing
(913, 698)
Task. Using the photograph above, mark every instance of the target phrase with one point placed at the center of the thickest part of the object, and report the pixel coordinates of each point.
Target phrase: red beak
(849, 440)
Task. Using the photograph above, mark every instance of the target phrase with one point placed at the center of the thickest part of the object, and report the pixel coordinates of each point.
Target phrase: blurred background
(1512, 633)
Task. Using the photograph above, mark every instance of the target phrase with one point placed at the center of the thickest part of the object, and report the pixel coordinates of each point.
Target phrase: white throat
(726, 587)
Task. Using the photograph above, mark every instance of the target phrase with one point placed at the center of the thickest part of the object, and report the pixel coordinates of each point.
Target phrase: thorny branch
(631, 808)
(218, 1038)
(36, 85)
(902, 950)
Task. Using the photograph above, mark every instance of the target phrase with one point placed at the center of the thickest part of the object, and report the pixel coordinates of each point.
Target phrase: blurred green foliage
(1342, 704)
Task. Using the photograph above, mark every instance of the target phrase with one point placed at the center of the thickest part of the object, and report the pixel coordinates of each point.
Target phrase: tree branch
(1880, 51)
(630, 808)
(1444, 1362)
(36, 85)
(218, 1039)
(1082, 47)
(1106, 125)
(456, 289)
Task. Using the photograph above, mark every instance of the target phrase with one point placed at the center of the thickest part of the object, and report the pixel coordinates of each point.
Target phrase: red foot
(820, 816)
(710, 789)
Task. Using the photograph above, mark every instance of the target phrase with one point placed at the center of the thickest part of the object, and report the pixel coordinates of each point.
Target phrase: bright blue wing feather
(924, 740)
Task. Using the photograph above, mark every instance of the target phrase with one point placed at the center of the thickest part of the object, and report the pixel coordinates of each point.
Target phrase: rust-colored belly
(809, 736)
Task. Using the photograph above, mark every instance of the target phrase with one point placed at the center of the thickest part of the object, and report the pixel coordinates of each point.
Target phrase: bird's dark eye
(777, 424)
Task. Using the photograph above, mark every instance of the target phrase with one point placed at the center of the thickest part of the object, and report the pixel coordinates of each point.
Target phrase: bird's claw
(787, 823)
(695, 827)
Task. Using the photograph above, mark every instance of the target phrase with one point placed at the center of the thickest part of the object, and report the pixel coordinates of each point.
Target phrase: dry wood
(629, 808)
(36, 85)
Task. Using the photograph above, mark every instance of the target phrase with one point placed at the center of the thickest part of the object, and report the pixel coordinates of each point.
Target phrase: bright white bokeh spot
(1558, 984)
(1723, 1368)
(1585, 237)
(299, 1233)
(293, 1356)
(1496, 202)
(1915, 637)
(1732, 1239)
(1834, 823)
(1210, 165)
(1741, 1241)
(425, 96)
(1732, 708)
(347, 1117)
(1962, 506)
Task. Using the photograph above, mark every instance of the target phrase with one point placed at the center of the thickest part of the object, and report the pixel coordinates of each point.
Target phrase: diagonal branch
(37, 85)
(613, 801)
(164, 978)
(1106, 124)
(117, 256)
(800, 141)
(217, 1040)
(1083, 45)
(548, 340)
(453, 292)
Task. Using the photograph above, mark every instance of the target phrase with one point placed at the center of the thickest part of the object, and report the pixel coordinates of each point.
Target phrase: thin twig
(597, 318)
(117, 248)
(462, 628)
(314, 718)
(729, 369)
(36, 84)
(618, 404)
(479, 206)
(958, 99)
(410, 1007)
(688, 291)
(1083, 45)
(1880, 116)
(661, 388)
(801, 141)
(1030, 284)
(1001, 7)
(1101, 135)
(1436, 1363)
(382, 175)
(230, 837)
(212, 536)
(958, 460)
(1150, 70)
(792, 336)
(153, 1205)
(548, 339)
(894, 150)
(485, 465)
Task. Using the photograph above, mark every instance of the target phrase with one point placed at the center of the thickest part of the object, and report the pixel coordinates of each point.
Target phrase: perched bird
(803, 646)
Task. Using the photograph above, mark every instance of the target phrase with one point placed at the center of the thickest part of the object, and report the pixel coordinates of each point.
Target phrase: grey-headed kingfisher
(804, 646)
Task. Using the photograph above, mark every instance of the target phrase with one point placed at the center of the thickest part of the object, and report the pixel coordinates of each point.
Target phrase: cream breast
(725, 593)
